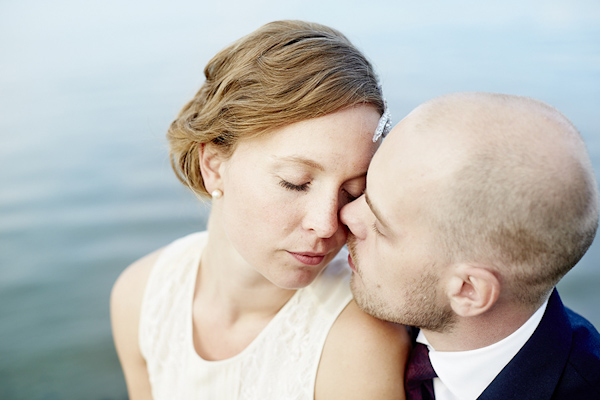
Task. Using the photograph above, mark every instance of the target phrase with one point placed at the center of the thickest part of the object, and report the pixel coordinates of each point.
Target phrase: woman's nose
(322, 218)
(350, 216)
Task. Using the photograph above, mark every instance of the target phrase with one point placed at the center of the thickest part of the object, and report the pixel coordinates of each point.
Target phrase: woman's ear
(211, 162)
(472, 290)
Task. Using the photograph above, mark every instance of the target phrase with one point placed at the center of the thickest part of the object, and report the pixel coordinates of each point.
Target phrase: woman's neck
(232, 303)
(228, 283)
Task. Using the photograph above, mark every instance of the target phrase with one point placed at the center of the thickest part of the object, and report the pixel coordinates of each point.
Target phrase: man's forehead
(411, 165)
(411, 151)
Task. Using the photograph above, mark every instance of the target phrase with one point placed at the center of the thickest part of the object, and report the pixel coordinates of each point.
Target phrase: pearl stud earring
(216, 194)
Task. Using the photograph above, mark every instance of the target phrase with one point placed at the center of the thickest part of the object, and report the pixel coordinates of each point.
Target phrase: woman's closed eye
(349, 197)
(290, 186)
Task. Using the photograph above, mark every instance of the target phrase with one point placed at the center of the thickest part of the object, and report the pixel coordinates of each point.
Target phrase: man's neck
(466, 374)
(476, 332)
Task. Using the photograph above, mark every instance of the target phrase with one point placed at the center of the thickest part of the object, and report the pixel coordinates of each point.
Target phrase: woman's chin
(299, 279)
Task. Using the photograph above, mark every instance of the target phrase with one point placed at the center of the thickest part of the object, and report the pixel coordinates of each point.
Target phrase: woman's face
(283, 192)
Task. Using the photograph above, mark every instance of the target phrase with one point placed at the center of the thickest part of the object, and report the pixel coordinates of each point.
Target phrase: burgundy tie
(419, 375)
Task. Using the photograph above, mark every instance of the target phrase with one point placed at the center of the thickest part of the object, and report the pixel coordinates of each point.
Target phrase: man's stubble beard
(421, 303)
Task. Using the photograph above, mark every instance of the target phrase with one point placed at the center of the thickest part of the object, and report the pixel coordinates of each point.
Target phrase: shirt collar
(466, 374)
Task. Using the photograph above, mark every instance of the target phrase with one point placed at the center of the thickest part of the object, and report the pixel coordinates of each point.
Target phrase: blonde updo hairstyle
(284, 72)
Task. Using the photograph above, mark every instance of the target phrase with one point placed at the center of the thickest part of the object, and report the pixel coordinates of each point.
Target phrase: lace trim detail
(290, 346)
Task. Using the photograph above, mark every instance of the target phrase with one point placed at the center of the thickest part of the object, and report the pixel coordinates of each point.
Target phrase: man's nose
(350, 215)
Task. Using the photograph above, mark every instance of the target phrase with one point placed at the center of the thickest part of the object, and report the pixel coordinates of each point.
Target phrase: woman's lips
(308, 258)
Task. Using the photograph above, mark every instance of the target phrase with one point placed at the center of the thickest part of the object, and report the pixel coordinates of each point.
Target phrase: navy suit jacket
(561, 360)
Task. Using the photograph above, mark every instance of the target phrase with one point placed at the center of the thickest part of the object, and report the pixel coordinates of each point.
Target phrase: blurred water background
(88, 88)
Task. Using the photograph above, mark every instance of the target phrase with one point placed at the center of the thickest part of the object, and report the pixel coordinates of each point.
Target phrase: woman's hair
(282, 73)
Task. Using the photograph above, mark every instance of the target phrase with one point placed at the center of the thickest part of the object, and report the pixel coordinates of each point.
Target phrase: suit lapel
(535, 370)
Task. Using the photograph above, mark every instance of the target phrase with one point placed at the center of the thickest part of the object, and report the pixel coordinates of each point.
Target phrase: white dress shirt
(464, 375)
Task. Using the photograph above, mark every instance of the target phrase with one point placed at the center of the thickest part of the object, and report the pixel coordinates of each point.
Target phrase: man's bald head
(517, 190)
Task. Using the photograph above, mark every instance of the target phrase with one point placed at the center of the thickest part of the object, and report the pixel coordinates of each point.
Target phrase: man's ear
(472, 289)
(211, 163)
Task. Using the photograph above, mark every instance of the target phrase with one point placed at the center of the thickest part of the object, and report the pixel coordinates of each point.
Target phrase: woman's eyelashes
(291, 186)
(347, 196)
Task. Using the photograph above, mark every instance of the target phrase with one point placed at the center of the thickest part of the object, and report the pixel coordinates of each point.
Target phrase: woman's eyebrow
(302, 160)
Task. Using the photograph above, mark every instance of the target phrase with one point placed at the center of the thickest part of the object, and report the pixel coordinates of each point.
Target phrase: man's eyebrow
(376, 212)
(302, 160)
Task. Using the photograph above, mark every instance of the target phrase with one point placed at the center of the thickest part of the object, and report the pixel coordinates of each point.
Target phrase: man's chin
(356, 285)
(368, 305)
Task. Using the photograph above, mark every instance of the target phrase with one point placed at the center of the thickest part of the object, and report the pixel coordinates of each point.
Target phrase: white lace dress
(280, 364)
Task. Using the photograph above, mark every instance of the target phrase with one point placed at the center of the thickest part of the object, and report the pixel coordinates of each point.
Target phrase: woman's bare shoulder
(363, 357)
(126, 301)
(125, 307)
(131, 283)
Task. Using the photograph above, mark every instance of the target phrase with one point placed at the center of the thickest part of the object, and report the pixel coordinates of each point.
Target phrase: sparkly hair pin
(385, 122)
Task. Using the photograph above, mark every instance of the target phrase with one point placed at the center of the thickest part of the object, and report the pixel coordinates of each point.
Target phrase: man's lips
(309, 258)
(352, 266)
